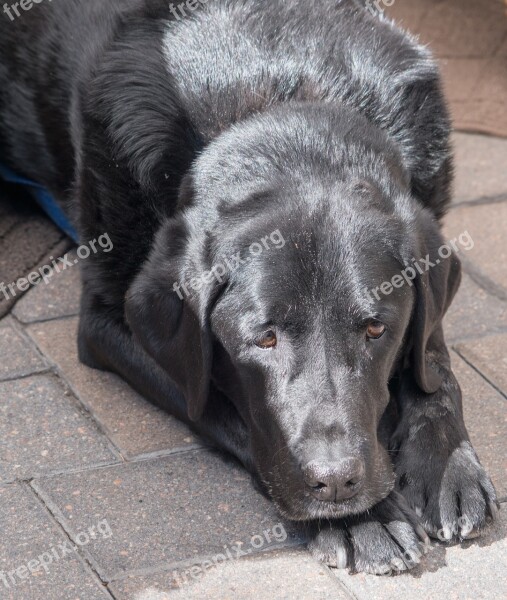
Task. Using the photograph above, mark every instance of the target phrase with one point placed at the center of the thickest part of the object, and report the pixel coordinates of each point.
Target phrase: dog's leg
(437, 469)
(105, 342)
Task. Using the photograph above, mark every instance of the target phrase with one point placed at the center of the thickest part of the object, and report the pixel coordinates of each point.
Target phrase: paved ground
(94, 480)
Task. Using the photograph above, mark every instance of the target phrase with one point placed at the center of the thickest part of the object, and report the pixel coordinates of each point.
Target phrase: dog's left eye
(375, 330)
(267, 340)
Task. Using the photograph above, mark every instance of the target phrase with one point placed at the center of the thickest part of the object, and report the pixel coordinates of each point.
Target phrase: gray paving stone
(474, 312)
(480, 166)
(474, 570)
(486, 226)
(489, 355)
(28, 532)
(58, 298)
(284, 575)
(486, 420)
(17, 357)
(133, 424)
(42, 429)
(162, 511)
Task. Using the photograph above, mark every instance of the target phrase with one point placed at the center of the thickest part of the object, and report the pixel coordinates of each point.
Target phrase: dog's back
(222, 62)
(44, 54)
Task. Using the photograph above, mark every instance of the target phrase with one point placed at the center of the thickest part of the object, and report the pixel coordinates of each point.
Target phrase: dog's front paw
(387, 540)
(452, 494)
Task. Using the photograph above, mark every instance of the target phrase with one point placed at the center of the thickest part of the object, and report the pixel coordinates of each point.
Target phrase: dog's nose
(334, 481)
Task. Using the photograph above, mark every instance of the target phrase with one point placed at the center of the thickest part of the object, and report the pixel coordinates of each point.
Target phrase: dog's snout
(334, 481)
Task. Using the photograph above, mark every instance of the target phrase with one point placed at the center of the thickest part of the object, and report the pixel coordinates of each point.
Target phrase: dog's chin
(296, 503)
(309, 509)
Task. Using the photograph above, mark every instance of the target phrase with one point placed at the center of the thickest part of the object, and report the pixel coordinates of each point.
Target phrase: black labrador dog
(264, 168)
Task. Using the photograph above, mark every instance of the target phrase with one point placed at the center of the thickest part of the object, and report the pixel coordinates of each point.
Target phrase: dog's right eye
(375, 330)
(267, 340)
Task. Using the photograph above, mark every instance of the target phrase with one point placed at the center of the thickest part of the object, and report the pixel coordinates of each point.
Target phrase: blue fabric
(44, 199)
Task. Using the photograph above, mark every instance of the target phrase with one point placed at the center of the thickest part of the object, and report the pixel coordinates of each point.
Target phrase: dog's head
(284, 281)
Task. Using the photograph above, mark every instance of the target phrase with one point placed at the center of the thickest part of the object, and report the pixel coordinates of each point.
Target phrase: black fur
(187, 141)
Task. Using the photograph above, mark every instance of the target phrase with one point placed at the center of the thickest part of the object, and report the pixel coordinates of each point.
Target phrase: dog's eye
(375, 330)
(267, 340)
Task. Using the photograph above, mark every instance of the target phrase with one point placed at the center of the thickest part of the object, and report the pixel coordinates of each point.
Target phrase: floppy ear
(435, 289)
(171, 321)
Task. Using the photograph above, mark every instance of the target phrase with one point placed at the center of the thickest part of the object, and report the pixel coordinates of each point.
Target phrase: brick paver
(162, 511)
(134, 425)
(30, 535)
(17, 356)
(486, 419)
(281, 576)
(58, 298)
(43, 429)
(489, 356)
(486, 226)
(478, 171)
(473, 313)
